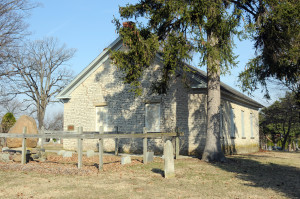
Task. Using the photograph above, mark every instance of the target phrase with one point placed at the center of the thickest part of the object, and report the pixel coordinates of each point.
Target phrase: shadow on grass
(285, 179)
(158, 171)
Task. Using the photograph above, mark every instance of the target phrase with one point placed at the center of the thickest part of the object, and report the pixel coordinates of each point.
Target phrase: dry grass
(260, 175)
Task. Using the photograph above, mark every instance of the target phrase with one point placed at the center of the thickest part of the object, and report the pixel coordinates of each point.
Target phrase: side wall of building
(125, 110)
(180, 107)
(239, 133)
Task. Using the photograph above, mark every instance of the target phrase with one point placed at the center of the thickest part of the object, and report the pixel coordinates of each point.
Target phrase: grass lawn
(259, 175)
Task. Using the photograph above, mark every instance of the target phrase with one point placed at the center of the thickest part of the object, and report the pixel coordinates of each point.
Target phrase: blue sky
(86, 25)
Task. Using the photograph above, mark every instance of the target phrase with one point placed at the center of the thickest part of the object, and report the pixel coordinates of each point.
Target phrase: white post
(79, 149)
(23, 160)
(116, 142)
(101, 149)
(145, 147)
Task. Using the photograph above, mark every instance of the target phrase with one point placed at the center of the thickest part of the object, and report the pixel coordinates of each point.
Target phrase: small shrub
(8, 121)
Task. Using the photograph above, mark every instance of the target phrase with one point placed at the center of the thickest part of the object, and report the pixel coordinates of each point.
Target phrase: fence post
(177, 144)
(116, 142)
(23, 160)
(145, 147)
(101, 131)
(42, 139)
(79, 148)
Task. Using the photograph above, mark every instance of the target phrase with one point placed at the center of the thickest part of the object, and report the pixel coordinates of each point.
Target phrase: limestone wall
(182, 107)
(125, 111)
(240, 143)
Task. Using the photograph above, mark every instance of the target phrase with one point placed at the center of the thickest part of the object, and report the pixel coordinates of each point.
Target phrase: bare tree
(12, 25)
(14, 106)
(55, 122)
(38, 72)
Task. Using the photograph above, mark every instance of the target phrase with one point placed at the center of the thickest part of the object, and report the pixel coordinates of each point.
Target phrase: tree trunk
(41, 113)
(212, 150)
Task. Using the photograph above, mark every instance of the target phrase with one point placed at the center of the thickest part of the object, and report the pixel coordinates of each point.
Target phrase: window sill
(252, 138)
(243, 137)
(232, 137)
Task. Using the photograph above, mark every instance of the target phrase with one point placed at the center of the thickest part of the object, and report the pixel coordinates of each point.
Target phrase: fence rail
(88, 135)
(80, 135)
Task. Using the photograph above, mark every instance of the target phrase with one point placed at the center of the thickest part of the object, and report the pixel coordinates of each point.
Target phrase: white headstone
(61, 152)
(150, 156)
(90, 153)
(5, 148)
(67, 154)
(4, 157)
(169, 160)
(125, 160)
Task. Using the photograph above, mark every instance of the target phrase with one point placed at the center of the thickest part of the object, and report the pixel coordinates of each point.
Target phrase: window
(221, 122)
(152, 118)
(232, 125)
(243, 125)
(251, 125)
(102, 117)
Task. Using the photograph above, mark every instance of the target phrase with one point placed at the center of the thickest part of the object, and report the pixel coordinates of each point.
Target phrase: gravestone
(270, 148)
(67, 154)
(169, 169)
(61, 152)
(23, 121)
(4, 157)
(90, 153)
(125, 160)
(4, 149)
(149, 156)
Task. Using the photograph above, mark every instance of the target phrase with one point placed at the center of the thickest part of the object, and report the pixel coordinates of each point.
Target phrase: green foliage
(141, 47)
(277, 42)
(8, 121)
(281, 120)
(176, 29)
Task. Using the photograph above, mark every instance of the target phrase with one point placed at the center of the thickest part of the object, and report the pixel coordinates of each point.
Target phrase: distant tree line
(280, 123)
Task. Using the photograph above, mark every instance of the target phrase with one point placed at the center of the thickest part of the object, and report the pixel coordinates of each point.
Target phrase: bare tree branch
(39, 73)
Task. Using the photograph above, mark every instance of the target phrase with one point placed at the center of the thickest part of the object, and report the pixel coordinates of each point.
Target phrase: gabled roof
(104, 55)
(196, 74)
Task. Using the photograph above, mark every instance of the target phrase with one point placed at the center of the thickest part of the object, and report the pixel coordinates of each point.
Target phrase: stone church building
(98, 97)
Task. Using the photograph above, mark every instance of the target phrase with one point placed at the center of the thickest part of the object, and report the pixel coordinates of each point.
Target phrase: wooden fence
(80, 135)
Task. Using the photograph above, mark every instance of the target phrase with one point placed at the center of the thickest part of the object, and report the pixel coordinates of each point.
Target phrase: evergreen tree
(281, 120)
(175, 28)
(277, 43)
(7, 122)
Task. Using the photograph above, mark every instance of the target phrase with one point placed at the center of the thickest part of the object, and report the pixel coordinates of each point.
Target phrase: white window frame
(251, 125)
(243, 124)
(232, 123)
(105, 122)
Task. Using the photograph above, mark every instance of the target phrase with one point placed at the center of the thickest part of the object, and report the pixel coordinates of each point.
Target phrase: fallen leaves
(56, 164)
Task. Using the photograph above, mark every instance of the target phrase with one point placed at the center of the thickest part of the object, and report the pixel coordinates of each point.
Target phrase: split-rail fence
(80, 135)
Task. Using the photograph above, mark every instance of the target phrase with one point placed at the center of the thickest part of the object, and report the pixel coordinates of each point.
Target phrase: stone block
(67, 154)
(23, 121)
(41, 150)
(169, 169)
(4, 157)
(61, 152)
(4, 149)
(36, 156)
(125, 160)
(90, 153)
(149, 156)
(17, 158)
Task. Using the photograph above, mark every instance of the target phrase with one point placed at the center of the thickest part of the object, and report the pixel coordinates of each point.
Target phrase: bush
(8, 121)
